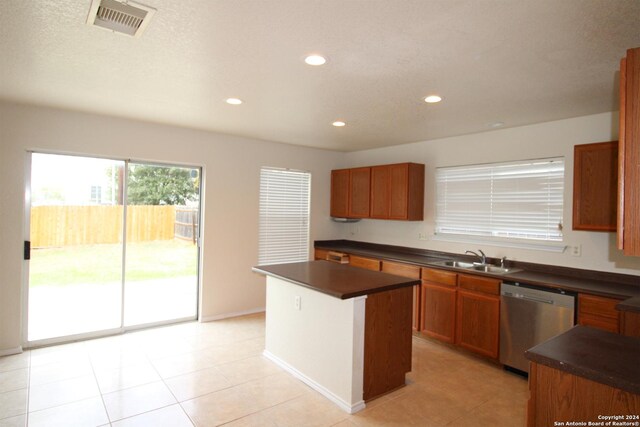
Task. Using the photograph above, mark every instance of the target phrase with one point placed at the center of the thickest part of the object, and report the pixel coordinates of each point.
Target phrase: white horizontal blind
(521, 200)
(284, 216)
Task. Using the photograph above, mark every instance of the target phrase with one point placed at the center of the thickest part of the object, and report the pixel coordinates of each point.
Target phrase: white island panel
(321, 342)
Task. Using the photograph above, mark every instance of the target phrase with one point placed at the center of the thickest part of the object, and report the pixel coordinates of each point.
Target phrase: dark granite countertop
(338, 280)
(600, 356)
(577, 280)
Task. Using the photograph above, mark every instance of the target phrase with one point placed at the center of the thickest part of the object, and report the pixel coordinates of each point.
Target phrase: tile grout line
(170, 391)
(95, 377)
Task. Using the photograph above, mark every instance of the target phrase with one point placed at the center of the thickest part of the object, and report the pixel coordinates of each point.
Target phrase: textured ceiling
(513, 61)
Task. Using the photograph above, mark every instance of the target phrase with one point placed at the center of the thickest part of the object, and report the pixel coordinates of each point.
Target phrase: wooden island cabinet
(583, 375)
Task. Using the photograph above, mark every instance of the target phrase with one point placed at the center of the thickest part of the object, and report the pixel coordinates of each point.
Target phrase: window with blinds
(522, 200)
(284, 216)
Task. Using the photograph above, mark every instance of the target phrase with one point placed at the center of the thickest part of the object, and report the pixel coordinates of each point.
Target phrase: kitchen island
(586, 376)
(344, 331)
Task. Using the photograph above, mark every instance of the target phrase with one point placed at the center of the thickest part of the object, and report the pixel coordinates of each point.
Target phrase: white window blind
(284, 216)
(521, 200)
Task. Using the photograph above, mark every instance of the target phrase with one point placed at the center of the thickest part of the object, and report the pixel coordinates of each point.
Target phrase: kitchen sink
(456, 264)
(485, 268)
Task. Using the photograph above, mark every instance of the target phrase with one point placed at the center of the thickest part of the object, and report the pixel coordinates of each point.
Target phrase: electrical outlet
(297, 302)
(422, 236)
(576, 250)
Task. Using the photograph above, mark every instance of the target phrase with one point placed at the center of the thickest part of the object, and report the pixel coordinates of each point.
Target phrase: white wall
(527, 142)
(231, 185)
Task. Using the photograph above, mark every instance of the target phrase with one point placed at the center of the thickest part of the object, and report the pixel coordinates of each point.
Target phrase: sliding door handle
(27, 250)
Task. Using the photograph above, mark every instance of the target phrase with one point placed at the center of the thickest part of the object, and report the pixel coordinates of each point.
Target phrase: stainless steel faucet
(482, 256)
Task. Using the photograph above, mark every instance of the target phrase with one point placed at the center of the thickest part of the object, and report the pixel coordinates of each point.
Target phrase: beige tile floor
(209, 374)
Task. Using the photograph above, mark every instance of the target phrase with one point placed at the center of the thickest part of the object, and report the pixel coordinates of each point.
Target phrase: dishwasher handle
(528, 298)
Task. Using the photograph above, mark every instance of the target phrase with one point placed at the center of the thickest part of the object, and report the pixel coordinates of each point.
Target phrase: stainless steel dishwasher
(530, 315)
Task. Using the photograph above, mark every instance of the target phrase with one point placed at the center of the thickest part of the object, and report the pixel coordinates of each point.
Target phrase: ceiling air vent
(125, 17)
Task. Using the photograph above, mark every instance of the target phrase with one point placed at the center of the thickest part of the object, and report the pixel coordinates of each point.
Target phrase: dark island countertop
(570, 279)
(596, 355)
(338, 280)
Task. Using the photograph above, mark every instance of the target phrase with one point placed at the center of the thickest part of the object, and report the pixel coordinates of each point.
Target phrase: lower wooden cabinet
(630, 324)
(478, 322)
(366, 263)
(320, 254)
(438, 311)
(598, 312)
(412, 272)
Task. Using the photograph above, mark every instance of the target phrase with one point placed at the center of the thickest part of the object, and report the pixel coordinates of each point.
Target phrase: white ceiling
(513, 61)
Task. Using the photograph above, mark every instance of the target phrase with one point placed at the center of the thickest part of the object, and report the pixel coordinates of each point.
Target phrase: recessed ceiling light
(432, 99)
(339, 124)
(234, 101)
(315, 60)
(496, 124)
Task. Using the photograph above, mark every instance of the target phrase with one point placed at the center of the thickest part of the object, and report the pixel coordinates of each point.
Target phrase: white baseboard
(228, 315)
(10, 351)
(345, 406)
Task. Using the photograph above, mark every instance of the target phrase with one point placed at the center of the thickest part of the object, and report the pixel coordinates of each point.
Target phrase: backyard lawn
(102, 263)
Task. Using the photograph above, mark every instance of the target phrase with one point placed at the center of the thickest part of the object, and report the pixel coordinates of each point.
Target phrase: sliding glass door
(75, 270)
(161, 269)
(114, 244)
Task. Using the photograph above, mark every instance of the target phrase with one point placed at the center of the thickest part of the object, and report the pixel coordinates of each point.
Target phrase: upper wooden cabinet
(595, 186)
(629, 155)
(397, 191)
(382, 192)
(340, 193)
(350, 190)
(359, 187)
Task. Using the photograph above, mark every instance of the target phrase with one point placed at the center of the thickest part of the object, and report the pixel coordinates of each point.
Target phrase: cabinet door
(380, 192)
(629, 155)
(359, 189)
(438, 311)
(399, 185)
(340, 193)
(478, 322)
(412, 272)
(595, 186)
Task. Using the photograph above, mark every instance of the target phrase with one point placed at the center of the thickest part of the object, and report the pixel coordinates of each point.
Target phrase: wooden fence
(54, 226)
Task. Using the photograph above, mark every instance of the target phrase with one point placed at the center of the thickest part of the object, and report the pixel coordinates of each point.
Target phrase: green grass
(103, 263)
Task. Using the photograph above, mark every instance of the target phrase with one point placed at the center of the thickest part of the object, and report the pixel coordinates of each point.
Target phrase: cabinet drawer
(479, 284)
(439, 276)
(320, 254)
(362, 262)
(599, 306)
(404, 270)
(599, 322)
